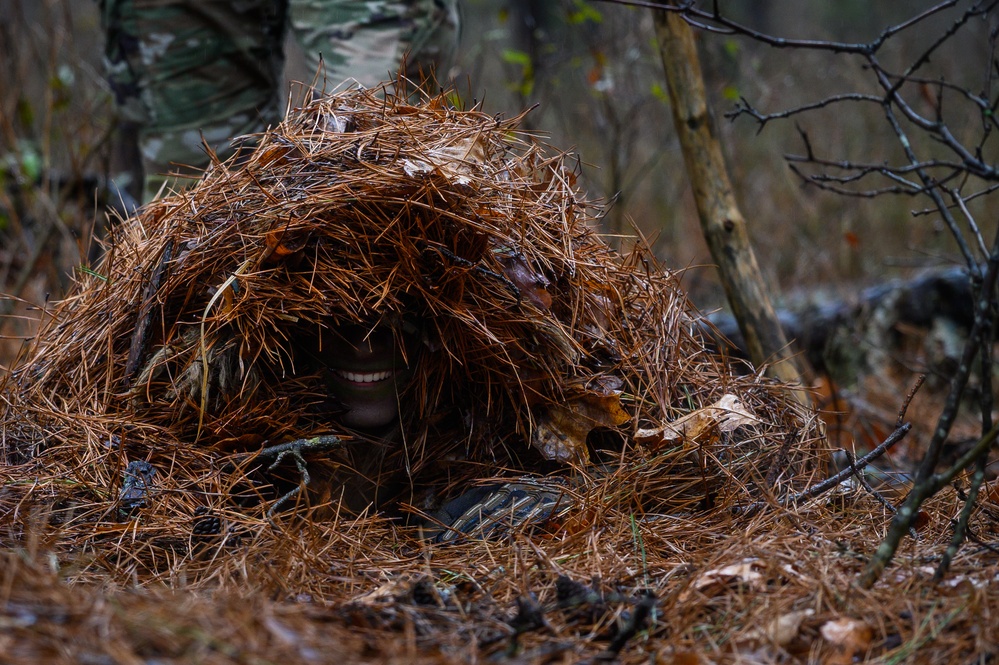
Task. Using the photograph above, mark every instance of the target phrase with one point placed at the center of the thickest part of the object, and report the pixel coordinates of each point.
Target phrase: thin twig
(835, 479)
(862, 479)
(295, 450)
(860, 464)
(908, 399)
(926, 483)
(313, 444)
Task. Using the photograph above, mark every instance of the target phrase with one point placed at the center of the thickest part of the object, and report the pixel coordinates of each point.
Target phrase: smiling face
(369, 366)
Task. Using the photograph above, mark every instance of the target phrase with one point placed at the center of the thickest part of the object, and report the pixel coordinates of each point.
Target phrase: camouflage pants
(195, 72)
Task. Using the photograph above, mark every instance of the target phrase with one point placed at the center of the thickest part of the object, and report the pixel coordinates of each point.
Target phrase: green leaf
(583, 12)
(517, 57)
(455, 100)
(525, 86)
(30, 162)
(62, 84)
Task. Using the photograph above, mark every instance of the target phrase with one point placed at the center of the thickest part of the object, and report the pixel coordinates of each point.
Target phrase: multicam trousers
(193, 73)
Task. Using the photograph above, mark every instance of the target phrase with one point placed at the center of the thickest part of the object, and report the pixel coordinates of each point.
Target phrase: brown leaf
(602, 310)
(849, 638)
(387, 592)
(560, 434)
(745, 573)
(273, 155)
(456, 161)
(532, 284)
(281, 244)
(782, 630)
(725, 415)
(406, 109)
(227, 298)
(339, 124)
(922, 520)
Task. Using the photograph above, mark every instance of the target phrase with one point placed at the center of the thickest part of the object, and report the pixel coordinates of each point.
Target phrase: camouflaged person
(184, 72)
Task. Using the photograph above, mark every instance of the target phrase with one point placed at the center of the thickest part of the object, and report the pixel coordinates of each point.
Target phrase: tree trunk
(722, 223)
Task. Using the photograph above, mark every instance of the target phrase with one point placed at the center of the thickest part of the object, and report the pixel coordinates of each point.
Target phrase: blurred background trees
(594, 71)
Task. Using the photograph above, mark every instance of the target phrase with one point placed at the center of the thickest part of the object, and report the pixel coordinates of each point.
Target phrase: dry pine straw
(317, 594)
(361, 205)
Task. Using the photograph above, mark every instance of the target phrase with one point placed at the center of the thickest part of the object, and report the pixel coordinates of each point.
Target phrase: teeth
(370, 377)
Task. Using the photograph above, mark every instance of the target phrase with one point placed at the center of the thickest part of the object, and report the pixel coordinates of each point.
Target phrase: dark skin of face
(368, 369)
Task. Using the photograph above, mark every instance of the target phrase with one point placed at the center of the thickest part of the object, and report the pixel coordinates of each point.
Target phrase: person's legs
(368, 40)
(181, 71)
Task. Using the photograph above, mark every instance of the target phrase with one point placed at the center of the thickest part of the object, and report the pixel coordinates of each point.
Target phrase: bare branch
(974, 10)
(714, 21)
(933, 192)
(986, 402)
(908, 400)
(859, 465)
(822, 183)
(745, 108)
(970, 197)
(942, 164)
(855, 467)
(959, 201)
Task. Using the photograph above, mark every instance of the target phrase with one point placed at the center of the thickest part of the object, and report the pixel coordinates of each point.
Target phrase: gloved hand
(485, 509)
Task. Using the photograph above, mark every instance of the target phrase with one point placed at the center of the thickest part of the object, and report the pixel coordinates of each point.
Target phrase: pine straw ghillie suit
(195, 342)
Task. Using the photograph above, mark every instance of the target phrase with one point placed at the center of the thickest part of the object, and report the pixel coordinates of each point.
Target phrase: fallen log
(816, 321)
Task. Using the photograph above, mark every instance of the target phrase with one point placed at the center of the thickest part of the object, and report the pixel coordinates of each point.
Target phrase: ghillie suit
(199, 339)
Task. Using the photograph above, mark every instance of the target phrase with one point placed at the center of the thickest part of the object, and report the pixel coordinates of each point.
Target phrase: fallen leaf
(782, 630)
(725, 415)
(560, 434)
(406, 109)
(532, 284)
(456, 160)
(337, 123)
(281, 244)
(745, 573)
(227, 298)
(990, 492)
(273, 155)
(848, 639)
(389, 591)
(601, 309)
